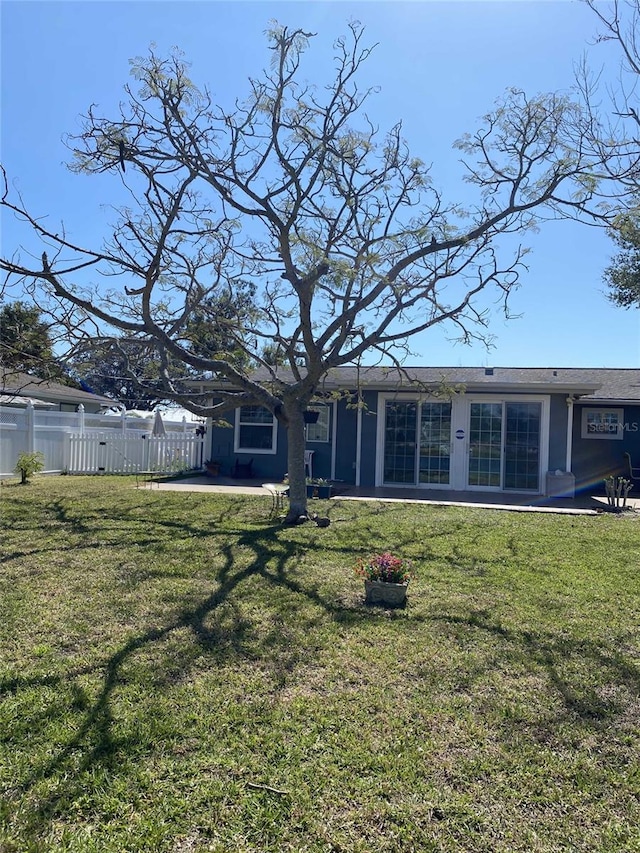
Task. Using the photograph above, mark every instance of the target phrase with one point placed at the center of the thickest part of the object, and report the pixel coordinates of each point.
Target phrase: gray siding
(558, 412)
(369, 432)
(346, 443)
(592, 459)
(595, 459)
(266, 466)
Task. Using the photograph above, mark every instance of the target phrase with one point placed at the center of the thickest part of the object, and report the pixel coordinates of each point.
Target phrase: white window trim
(618, 435)
(545, 410)
(404, 397)
(255, 450)
(460, 413)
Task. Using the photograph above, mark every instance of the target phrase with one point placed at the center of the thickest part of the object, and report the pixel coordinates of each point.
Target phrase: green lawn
(179, 674)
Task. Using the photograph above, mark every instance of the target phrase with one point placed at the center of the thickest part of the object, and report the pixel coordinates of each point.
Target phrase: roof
(14, 384)
(594, 384)
(23, 402)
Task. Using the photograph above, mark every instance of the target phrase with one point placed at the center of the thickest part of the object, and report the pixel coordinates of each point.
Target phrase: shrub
(29, 464)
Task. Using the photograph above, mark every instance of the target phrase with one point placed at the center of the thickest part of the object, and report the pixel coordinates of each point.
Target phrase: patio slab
(581, 505)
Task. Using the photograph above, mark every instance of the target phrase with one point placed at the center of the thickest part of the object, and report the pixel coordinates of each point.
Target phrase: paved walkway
(582, 505)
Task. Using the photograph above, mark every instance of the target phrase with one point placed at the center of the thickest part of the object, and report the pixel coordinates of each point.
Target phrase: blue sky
(439, 66)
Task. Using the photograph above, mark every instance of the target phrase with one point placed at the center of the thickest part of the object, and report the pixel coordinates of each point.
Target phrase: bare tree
(619, 25)
(352, 248)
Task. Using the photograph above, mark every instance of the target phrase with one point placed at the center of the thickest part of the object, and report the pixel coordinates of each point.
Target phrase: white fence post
(81, 424)
(31, 431)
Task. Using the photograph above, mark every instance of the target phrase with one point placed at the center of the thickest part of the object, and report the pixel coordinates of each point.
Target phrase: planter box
(315, 491)
(561, 485)
(391, 594)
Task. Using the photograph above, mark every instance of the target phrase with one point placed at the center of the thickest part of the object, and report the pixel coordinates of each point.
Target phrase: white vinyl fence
(80, 443)
(115, 454)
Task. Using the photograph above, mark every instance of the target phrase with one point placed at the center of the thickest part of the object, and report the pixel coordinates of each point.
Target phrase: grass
(178, 674)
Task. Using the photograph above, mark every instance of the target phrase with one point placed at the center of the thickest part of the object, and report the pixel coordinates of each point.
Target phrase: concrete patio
(583, 504)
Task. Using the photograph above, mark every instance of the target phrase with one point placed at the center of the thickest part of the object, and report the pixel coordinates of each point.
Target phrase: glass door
(522, 446)
(400, 442)
(434, 453)
(417, 443)
(485, 445)
(504, 445)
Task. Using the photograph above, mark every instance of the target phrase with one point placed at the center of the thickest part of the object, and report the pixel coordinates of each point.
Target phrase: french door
(504, 445)
(417, 443)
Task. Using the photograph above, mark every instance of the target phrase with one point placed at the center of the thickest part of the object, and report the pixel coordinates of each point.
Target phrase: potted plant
(213, 467)
(311, 416)
(318, 488)
(386, 578)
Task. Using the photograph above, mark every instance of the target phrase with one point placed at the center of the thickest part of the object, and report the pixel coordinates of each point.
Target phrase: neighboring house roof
(23, 402)
(591, 384)
(15, 385)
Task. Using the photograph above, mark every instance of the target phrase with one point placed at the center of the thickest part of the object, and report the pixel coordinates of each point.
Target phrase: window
(255, 430)
(320, 430)
(603, 423)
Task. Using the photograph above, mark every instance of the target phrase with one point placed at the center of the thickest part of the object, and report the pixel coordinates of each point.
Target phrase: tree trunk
(295, 459)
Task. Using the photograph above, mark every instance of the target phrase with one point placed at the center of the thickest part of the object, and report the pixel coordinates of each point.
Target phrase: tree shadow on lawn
(585, 697)
(93, 745)
(219, 630)
(128, 525)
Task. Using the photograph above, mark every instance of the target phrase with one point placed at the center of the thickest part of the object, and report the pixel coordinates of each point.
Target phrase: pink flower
(384, 567)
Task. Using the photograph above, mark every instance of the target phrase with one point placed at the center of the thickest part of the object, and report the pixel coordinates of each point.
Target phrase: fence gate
(118, 454)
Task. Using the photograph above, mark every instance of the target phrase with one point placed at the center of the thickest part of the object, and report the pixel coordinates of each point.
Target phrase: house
(536, 431)
(18, 389)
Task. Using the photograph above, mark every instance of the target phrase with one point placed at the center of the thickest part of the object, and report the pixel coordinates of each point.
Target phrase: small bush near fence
(29, 464)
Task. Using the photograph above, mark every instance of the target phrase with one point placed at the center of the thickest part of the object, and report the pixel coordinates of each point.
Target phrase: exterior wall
(369, 451)
(220, 444)
(558, 413)
(273, 466)
(597, 458)
(346, 436)
(322, 459)
(90, 407)
(266, 466)
(592, 458)
(334, 459)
